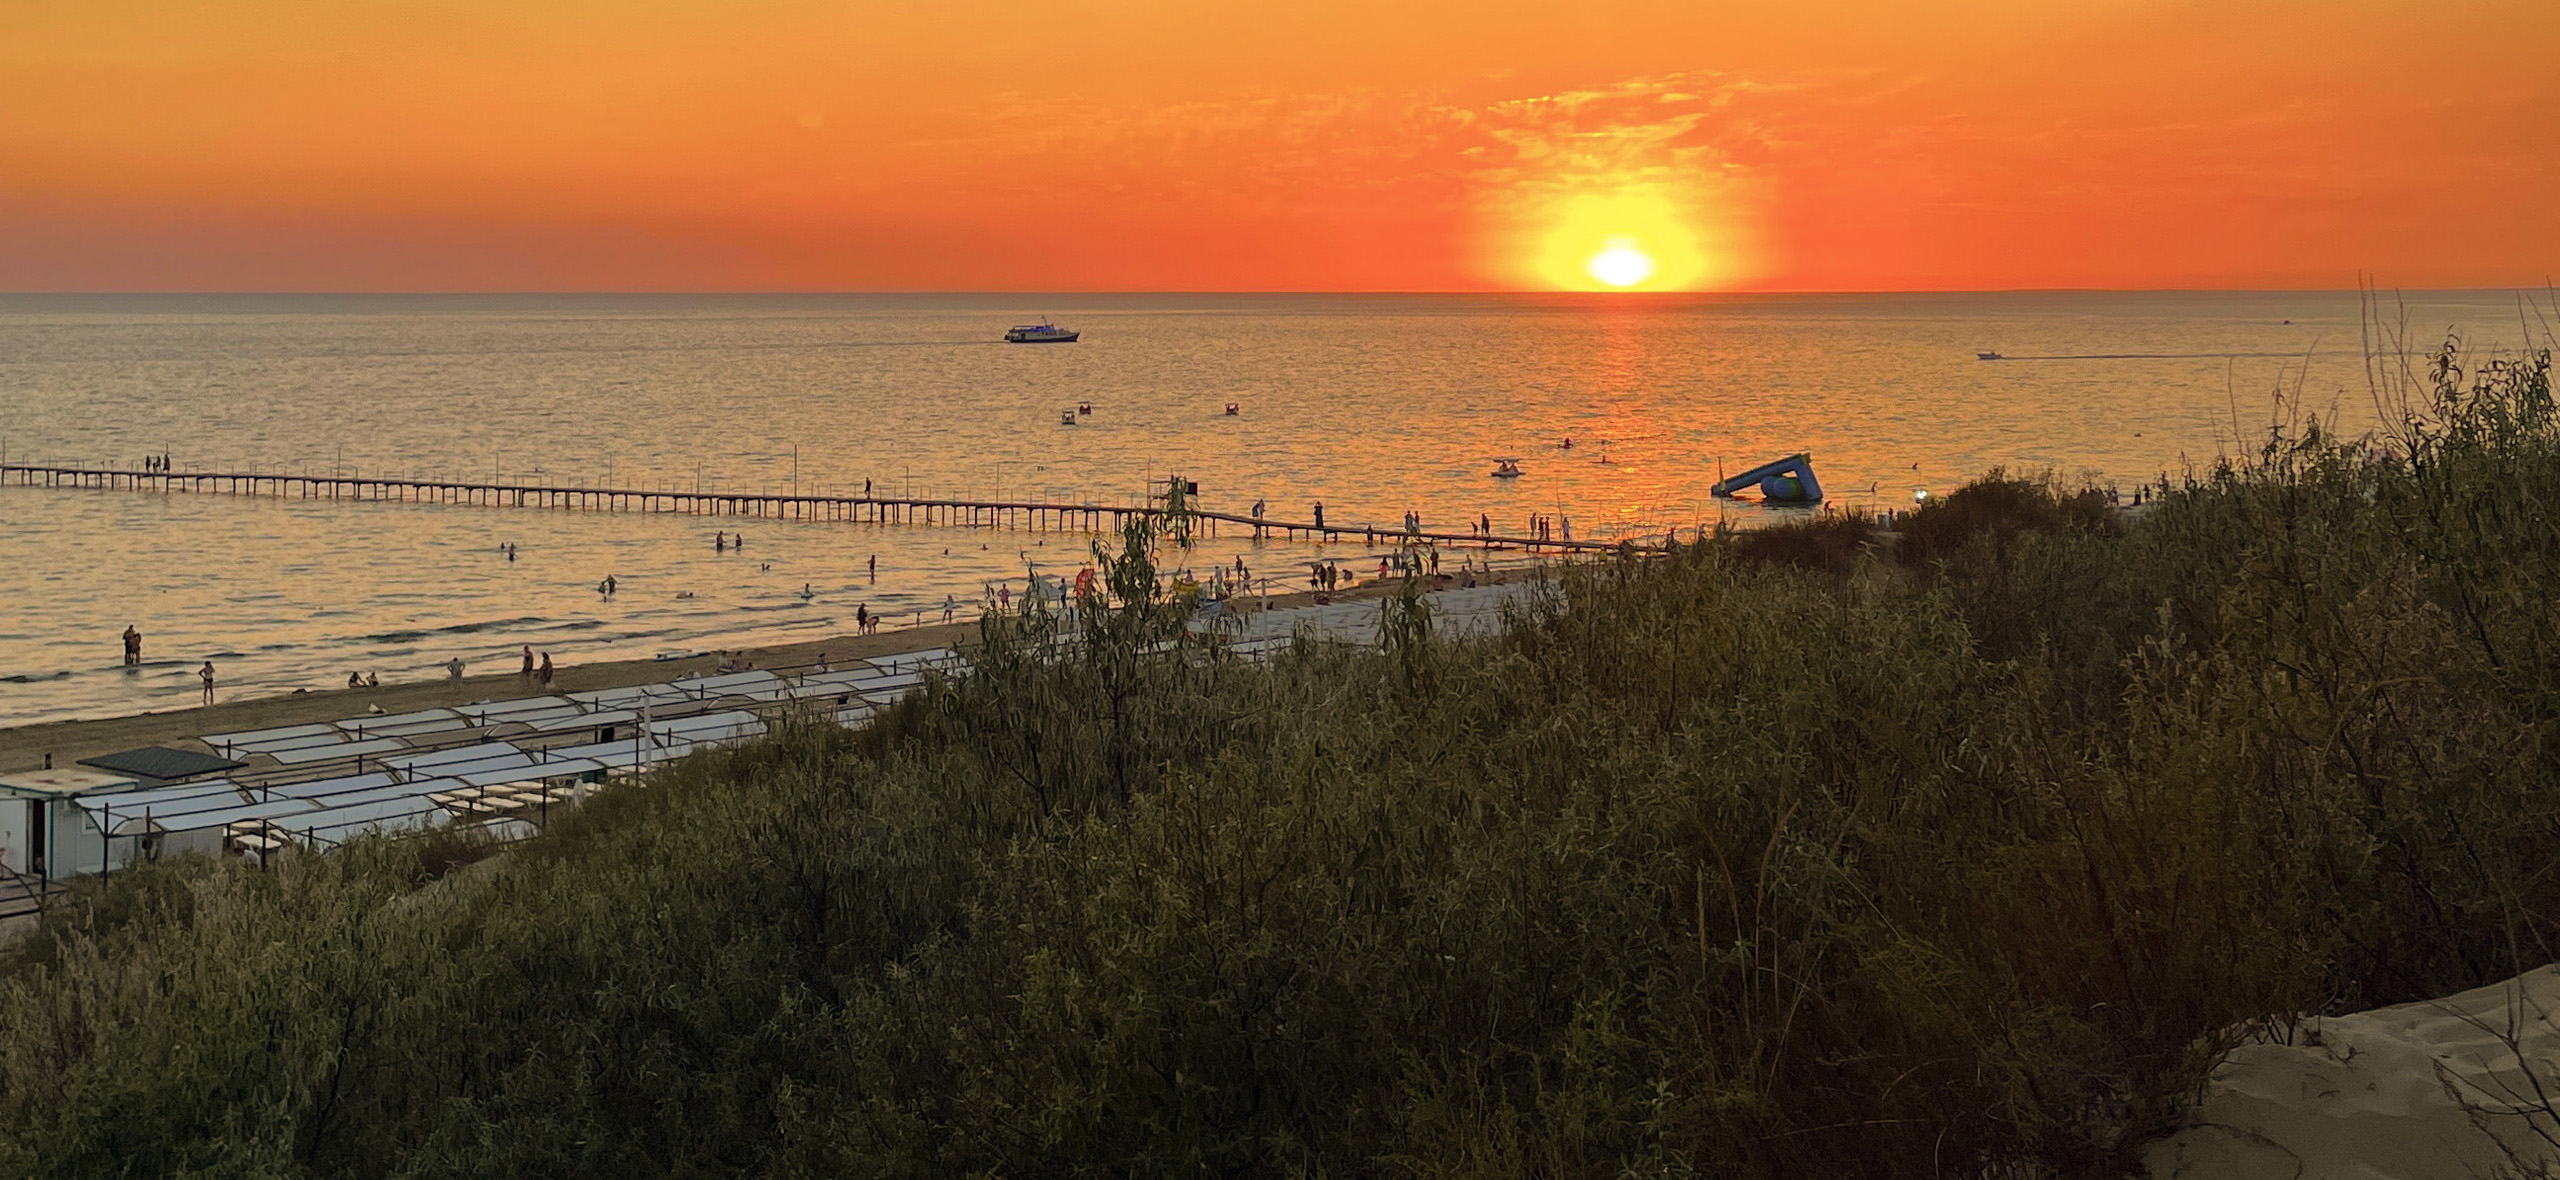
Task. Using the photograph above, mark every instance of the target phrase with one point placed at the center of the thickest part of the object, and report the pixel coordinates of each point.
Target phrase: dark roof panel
(161, 762)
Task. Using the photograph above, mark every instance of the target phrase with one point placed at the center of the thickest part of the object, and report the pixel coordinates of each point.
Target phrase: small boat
(1066, 417)
(1506, 469)
(1234, 409)
(1084, 407)
(1043, 332)
(1988, 356)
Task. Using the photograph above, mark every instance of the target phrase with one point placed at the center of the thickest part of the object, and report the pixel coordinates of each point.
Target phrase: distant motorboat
(1066, 417)
(1084, 407)
(1233, 409)
(1989, 356)
(1043, 332)
(1506, 469)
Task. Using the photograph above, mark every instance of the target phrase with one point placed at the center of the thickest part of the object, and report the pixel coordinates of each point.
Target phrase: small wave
(414, 634)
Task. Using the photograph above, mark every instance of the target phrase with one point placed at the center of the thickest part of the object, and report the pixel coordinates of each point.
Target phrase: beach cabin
(44, 830)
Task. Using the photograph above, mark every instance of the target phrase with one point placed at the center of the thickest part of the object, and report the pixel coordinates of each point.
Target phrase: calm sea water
(1373, 405)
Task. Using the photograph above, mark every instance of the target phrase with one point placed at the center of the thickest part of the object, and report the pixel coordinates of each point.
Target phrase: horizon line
(1203, 291)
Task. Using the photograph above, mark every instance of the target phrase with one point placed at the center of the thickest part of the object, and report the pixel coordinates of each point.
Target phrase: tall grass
(1957, 851)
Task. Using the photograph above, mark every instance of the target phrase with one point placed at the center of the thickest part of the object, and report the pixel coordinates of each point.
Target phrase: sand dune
(2440, 1090)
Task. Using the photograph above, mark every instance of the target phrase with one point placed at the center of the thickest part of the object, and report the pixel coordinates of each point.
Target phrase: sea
(1373, 405)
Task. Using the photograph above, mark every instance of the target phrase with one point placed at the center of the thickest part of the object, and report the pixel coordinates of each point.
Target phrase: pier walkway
(957, 513)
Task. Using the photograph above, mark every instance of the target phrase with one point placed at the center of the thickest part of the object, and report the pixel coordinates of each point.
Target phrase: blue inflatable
(1783, 481)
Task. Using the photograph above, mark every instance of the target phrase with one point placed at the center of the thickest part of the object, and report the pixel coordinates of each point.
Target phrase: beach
(27, 747)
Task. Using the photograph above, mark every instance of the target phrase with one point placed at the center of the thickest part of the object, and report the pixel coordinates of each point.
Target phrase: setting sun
(1621, 265)
(1623, 236)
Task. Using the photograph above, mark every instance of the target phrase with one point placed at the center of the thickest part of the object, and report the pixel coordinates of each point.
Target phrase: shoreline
(25, 747)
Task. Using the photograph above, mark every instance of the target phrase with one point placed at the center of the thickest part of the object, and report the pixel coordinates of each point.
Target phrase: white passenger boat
(1043, 332)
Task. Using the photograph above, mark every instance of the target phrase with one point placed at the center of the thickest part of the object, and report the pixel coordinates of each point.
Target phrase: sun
(1629, 237)
(1621, 265)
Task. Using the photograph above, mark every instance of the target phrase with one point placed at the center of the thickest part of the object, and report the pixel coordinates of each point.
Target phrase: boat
(1234, 409)
(1989, 356)
(1506, 469)
(1084, 407)
(1043, 332)
(1066, 417)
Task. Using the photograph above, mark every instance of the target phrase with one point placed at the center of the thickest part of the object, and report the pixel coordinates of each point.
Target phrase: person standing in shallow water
(132, 646)
(206, 674)
(544, 677)
(527, 673)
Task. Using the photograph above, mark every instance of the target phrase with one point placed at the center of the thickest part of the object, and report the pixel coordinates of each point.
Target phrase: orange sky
(1177, 144)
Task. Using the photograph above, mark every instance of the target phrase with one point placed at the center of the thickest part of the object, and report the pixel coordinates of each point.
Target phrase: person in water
(544, 676)
(527, 673)
(132, 646)
(206, 674)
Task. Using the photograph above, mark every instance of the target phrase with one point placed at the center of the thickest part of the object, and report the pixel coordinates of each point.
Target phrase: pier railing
(959, 513)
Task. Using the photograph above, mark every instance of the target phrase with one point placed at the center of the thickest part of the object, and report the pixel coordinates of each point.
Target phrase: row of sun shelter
(500, 765)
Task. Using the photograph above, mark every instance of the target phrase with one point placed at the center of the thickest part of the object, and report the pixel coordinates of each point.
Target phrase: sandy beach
(27, 747)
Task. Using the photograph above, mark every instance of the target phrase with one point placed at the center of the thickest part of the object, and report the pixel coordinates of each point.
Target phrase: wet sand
(26, 747)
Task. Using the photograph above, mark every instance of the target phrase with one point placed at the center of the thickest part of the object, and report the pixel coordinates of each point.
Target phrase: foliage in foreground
(1959, 857)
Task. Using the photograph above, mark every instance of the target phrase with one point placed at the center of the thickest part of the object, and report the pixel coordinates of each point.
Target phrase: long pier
(957, 513)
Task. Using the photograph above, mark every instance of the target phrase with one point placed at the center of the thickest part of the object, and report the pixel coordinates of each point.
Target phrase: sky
(1418, 145)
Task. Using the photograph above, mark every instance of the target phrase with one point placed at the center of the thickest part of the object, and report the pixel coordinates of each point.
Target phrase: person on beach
(372, 680)
(822, 664)
(544, 676)
(132, 646)
(862, 619)
(453, 670)
(355, 680)
(527, 673)
(206, 674)
(1004, 596)
(950, 606)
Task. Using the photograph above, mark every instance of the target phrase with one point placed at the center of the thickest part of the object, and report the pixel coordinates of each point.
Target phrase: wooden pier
(954, 513)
